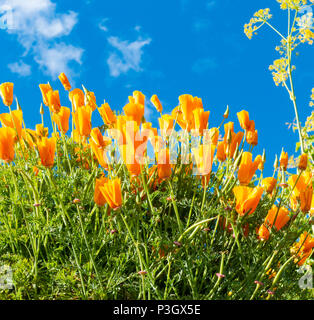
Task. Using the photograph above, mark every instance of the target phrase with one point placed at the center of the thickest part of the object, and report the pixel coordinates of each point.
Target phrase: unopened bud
(276, 163)
(229, 136)
(41, 110)
(18, 107)
(226, 114)
(264, 156)
(302, 162)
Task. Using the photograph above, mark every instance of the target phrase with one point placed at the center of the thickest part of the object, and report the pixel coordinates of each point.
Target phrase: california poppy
(155, 101)
(163, 163)
(45, 88)
(247, 168)
(62, 119)
(269, 184)
(82, 119)
(65, 82)
(243, 117)
(77, 98)
(111, 190)
(303, 161)
(284, 160)
(200, 120)
(14, 120)
(247, 199)
(46, 148)
(54, 101)
(276, 217)
(7, 140)
(107, 114)
(99, 199)
(6, 92)
(303, 248)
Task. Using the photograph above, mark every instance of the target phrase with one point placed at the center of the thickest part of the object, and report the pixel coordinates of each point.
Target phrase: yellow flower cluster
(306, 35)
(280, 71)
(261, 16)
(292, 4)
(312, 98)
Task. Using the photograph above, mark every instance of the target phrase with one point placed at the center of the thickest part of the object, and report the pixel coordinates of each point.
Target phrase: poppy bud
(226, 114)
(303, 162)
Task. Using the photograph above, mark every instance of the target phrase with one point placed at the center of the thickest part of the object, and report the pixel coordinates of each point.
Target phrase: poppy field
(182, 210)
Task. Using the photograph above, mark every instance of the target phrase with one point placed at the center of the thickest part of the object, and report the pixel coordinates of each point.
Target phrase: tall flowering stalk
(299, 31)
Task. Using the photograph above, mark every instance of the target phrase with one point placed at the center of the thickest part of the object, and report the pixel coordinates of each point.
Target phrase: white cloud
(20, 68)
(38, 25)
(102, 25)
(127, 56)
(54, 60)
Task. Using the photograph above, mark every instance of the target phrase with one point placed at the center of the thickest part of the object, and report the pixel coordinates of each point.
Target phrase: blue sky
(159, 47)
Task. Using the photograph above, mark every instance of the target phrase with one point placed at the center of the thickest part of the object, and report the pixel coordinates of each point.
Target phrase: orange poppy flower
(155, 101)
(221, 154)
(107, 114)
(252, 137)
(166, 123)
(213, 136)
(247, 168)
(46, 148)
(188, 104)
(303, 248)
(234, 139)
(13, 120)
(138, 98)
(247, 199)
(284, 160)
(41, 131)
(134, 112)
(100, 154)
(99, 139)
(77, 98)
(204, 157)
(111, 190)
(303, 190)
(62, 119)
(303, 161)
(82, 119)
(6, 92)
(200, 120)
(65, 82)
(244, 120)
(276, 217)
(90, 99)
(99, 199)
(163, 163)
(54, 101)
(7, 140)
(45, 88)
(269, 184)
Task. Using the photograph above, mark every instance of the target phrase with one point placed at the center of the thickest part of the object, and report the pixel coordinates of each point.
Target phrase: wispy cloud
(39, 28)
(126, 55)
(20, 68)
(102, 25)
(55, 59)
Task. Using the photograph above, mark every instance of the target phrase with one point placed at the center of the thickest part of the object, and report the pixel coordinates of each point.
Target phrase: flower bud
(302, 162)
